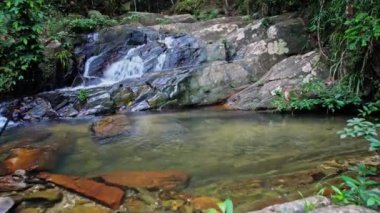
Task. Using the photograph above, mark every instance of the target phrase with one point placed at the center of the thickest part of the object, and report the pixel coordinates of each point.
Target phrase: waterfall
(3, 120)
(128, 60)
(124, 69)
(160, 62)
(87, 66)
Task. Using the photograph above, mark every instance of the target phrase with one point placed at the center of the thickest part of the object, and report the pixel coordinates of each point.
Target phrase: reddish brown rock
(152, 180)
(203, 203)
(110, 126)
(107, 195)
(29, 159)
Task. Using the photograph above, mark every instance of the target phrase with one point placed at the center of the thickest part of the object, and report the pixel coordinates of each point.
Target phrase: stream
(214, 146)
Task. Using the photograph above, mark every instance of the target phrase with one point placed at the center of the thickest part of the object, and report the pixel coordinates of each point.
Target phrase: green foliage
(130, 19)
(80, 25)
(362, 170)
(226, 207)
(360, 127)
(316, 94)
(63, 56)
(359, 192)
(370, 108)
(361, 30)
(346, 32)
(188, 6)
(20, 48)
(207, 14)
(82, 96)
(267, 7)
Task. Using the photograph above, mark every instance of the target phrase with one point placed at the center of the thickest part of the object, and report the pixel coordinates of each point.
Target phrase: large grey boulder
(343, 209)
(206, 31)
(212, 83)
(297, 206)
(289, 73)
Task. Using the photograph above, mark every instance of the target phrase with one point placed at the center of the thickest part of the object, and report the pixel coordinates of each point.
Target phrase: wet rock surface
(29, 159)
(166, 180)
(110, 126)
(107, 195)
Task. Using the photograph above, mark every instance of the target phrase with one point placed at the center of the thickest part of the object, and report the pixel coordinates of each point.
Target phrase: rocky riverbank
(234, 61)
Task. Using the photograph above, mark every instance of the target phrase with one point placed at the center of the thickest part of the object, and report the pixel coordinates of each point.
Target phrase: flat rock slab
(107, 195)
(152, 180)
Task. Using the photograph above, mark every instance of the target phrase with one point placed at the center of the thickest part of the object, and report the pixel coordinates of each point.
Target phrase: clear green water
(212, 146)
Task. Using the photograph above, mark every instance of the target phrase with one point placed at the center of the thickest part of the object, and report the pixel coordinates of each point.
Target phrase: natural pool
(215, 147)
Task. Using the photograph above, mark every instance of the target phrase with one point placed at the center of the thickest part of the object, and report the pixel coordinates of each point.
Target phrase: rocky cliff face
(231, 60)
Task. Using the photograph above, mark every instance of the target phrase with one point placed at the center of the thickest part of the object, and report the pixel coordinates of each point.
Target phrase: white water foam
(86, 73)
(3, 120)
(125, 69)
(160, 62)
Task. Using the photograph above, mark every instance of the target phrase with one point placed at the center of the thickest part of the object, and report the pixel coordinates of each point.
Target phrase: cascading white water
(3, 120)
(160, 62)
(164, 53)
(124, 69)
(87, 65)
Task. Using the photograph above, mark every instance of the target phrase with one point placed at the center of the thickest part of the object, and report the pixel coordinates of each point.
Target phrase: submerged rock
(107, 195)
(29, 159)
(152, 180)
(110, 126)
(134, 205)
(51, 195)
(87, 209)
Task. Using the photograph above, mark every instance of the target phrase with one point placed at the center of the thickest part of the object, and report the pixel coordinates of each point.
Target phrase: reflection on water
(212, 146)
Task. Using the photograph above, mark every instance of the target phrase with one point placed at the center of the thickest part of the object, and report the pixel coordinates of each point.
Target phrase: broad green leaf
(229, 206)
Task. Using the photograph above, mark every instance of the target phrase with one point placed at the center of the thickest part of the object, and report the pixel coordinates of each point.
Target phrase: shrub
(82, 96)
(316, 94)
(346, 32)
(88, 24)
(20, 48)
(359, 190)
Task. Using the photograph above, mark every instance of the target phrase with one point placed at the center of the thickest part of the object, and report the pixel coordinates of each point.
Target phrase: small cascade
(87, 66)
(3, 120)
(133, 57)
(124, 69)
